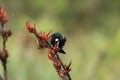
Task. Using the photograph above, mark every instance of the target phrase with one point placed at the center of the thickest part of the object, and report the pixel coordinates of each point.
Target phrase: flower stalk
(42, 38)
(5, 33)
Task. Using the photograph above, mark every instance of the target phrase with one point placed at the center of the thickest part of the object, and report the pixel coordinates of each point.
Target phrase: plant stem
(4, 62)
(67, 74)
(5, 71)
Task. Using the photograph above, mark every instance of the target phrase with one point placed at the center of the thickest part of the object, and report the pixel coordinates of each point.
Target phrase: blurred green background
(92, 28)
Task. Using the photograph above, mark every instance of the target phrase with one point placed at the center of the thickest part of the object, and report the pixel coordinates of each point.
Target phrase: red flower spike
(47, 36)
(3, 15)
(43, 39)
(30, 28)
(1, 11)
(61, 69)
(28, 25)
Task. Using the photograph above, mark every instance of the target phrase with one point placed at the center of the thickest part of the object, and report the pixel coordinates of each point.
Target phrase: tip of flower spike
(44, 36)
(28, 25)
(30, 28)
(47, 36)
(3, 16)
(1, 10)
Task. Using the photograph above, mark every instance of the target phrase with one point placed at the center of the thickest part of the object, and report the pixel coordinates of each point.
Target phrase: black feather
(61, 39)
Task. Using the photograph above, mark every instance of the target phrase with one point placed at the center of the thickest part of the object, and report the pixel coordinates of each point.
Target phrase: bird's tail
(62, 51)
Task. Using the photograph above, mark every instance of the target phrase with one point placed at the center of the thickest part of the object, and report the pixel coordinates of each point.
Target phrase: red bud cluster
(30, 28)
(3, 16)
(41, 37)
(45, 36)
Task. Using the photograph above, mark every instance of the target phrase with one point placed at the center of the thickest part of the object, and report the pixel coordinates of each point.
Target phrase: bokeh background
(92, 28)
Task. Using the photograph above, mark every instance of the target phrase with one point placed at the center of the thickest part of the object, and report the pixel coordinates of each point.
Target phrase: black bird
(58, 38)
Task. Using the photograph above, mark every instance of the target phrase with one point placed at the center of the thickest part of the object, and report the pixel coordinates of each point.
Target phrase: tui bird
(58, 38)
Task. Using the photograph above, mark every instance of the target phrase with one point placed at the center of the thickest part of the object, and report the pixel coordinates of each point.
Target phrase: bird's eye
(56, 39)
